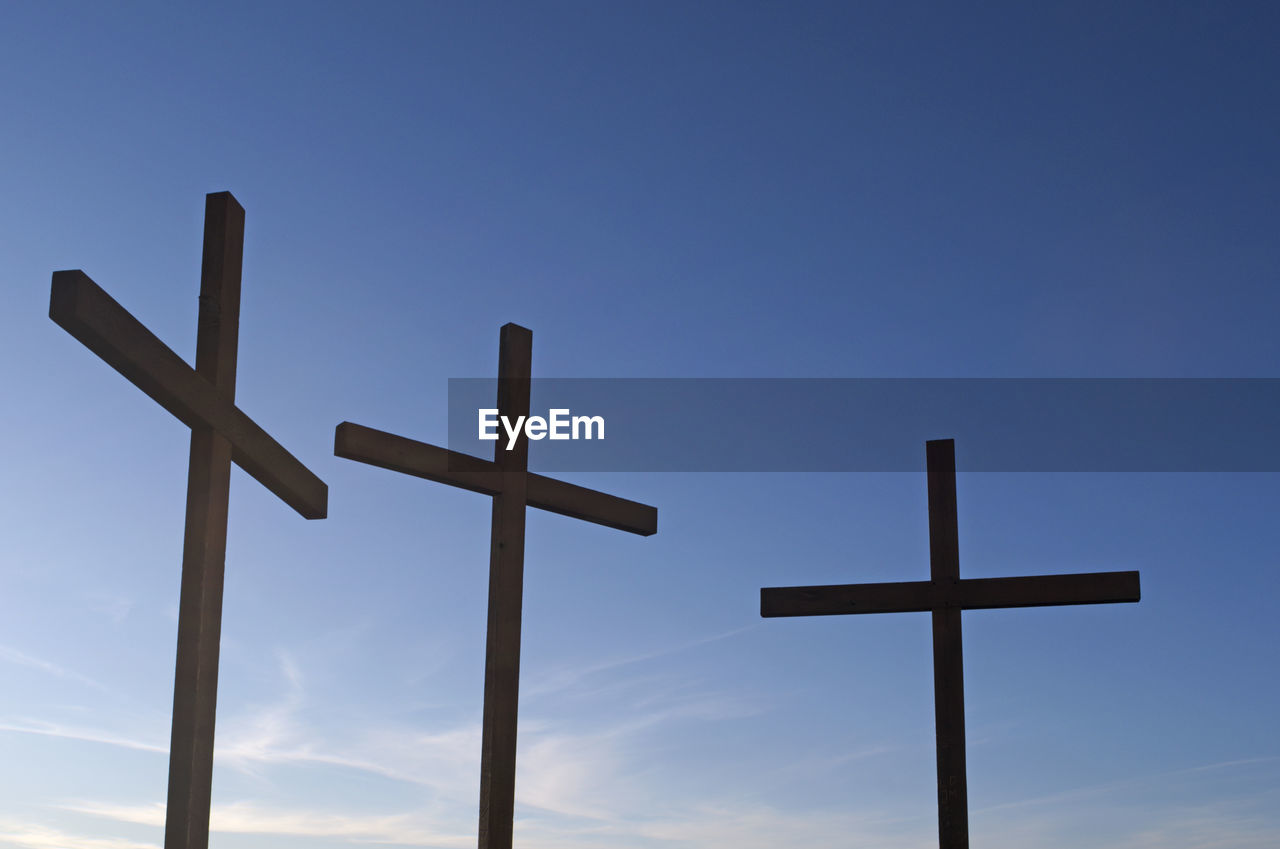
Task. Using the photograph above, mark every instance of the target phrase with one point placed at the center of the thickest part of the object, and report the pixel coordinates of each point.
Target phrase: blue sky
(656, 190)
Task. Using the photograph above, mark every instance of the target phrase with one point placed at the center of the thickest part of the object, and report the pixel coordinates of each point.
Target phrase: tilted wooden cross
(204, 399)
(512, 487)
(945, 595)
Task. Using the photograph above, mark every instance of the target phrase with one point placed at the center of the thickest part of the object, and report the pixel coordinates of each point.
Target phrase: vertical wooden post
(948, 663)
(205, 542)
(506, 588)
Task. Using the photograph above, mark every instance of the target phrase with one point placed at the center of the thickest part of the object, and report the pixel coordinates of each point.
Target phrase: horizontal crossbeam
(410, 457)
(966, 593)
(84, 310)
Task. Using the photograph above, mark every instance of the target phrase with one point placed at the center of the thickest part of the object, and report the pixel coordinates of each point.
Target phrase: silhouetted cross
(513, 487)
(204, 399)
(945, 595)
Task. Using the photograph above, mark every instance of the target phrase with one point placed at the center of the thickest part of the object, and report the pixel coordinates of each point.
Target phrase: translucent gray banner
(877, 425)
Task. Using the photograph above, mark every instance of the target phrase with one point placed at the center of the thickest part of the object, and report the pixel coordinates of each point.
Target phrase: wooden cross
(945, 595)
(204, 399)
(512, 487)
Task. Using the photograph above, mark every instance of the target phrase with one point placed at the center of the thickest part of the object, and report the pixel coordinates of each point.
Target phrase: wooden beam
(506, 595)
(195, 689)
(589, 505)
(410, 457)
(84, 310)
(895, 597)
(1048, 590)
(967, 594)
(948, 652)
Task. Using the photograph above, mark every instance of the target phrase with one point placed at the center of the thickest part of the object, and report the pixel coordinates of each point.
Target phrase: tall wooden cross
(945, 595)
(512, 487)
(204, 399)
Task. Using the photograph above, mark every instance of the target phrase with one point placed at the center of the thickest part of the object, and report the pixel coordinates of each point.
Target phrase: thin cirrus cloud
(581, 786)
(710, 826)
(706, 826)
(409, 828)
(569, 799)
(572, 781)
(570, 678)
(26, 835)
(8, 654)
(70, 732)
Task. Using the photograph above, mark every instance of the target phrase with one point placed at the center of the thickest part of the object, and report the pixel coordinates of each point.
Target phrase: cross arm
(1048, 590)
(967, 593)
(896, 597)
(83, 309)
(410, 457)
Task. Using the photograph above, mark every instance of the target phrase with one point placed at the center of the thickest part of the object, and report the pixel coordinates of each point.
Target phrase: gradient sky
(656, 190)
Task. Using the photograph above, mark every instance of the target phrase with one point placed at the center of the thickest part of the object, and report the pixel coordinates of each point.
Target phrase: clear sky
(656, 190)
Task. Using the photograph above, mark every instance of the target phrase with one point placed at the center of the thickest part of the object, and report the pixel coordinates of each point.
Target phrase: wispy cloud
(1212, 824)
(410, 828)
(1225, 765)
(570, 797)
(274, 734)
(113, 605)
(569, 677)
(735, 826)
(1113, 787)
(9, 654)
(68, 732)
(810, 765)
(1209, 826)
(35, 836)
(1170, 809)
(585, 784)
(561, 769)
(263, 734)
(705, 827)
